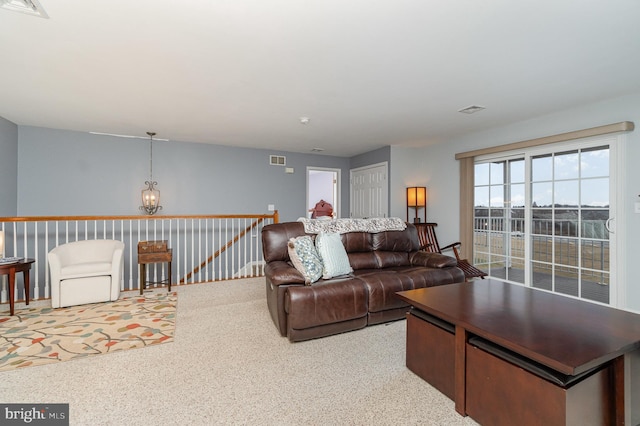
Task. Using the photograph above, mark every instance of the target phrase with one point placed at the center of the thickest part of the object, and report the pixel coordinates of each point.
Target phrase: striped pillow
(333, 254)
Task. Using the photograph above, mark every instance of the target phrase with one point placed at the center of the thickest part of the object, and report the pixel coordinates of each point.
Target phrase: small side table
(10, 269)
(153, 252)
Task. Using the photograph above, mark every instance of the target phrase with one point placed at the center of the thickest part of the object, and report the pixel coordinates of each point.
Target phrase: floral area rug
(36, 336)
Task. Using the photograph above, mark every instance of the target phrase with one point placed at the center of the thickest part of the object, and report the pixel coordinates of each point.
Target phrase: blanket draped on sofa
(342, 226)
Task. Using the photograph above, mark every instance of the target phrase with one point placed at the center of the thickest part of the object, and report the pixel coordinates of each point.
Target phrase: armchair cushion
(86, 269)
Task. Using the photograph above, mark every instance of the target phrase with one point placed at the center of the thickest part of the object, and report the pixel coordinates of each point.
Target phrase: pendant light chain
(151, 135)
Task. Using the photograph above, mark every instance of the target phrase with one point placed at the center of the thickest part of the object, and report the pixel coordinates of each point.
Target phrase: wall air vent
(30, 7)
(277, 160)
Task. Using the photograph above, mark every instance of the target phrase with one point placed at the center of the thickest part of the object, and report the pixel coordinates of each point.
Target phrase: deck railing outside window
(595, 241)
(568, 256)
(205, 248)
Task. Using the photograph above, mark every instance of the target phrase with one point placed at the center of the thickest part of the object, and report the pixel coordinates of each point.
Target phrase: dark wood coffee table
(567, 335)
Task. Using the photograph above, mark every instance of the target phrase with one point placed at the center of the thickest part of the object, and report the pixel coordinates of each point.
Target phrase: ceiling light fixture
(30, 7)
(304, 120)
(150, 195)
(471, 109)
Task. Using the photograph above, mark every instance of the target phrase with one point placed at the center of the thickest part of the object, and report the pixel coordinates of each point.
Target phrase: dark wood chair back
(429, 243)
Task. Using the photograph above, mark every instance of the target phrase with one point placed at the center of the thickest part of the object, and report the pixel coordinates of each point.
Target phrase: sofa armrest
(280, 272)
(432, 260)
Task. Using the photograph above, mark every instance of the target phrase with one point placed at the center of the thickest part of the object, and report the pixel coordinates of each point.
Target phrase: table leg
(12, 290)
(169, 275)
(460, 370)
(25, 277)
(143, 277)
(618, 389)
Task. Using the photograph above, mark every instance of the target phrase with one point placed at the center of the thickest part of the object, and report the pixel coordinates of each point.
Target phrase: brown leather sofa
(383, 263)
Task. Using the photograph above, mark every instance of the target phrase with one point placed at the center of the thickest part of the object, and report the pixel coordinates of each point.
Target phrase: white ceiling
(368, 73)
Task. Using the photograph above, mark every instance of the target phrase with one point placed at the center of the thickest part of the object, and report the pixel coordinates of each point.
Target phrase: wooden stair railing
(35, 236)
(218, 252)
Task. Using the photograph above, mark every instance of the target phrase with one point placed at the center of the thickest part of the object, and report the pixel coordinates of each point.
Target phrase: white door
(370, 191)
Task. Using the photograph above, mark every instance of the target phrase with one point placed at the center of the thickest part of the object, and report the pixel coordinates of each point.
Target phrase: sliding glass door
(541, 218)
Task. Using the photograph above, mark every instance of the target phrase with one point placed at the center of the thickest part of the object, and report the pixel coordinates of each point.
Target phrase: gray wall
(64, 172)
(372, 157)
(436, 168)
(8, 168)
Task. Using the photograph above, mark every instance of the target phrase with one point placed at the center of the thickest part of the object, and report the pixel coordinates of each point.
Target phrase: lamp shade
(417, 199)
(416, 196)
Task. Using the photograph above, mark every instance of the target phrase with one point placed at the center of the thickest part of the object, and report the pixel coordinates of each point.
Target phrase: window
(499, 205)
(540, 217)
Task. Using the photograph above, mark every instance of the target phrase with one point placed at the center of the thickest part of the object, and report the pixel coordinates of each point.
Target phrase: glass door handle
(607, 225)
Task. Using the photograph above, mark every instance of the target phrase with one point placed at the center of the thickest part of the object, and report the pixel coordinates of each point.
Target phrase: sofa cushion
(429, 277)
(432, 260)
(387, 259)
(275, 237)
(357, 242)
(326, 302)
(305, 258)
(362, 260)
(382, 287)
(333, 254)
(406, 240)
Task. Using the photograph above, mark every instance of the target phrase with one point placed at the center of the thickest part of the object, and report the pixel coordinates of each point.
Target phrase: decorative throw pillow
(333, 254)
(305, 258)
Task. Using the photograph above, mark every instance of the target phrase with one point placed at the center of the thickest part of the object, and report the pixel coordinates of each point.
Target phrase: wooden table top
(568, 335)
(19, 265)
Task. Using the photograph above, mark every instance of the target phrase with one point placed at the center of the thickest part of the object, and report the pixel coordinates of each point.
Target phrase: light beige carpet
(228, 365)
(42, 335)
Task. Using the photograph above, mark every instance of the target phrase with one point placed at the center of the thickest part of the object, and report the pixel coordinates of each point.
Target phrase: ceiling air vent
(277, 160)
(471, 109)
(30, 7)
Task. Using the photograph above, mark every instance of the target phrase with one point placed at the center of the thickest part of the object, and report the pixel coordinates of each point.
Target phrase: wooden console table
(10, 269)
(565, 336)
(154, 252)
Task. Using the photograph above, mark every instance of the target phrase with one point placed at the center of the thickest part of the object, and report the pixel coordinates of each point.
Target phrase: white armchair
(85, 272)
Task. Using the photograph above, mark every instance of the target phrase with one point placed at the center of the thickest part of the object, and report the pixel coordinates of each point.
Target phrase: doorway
(323, 184)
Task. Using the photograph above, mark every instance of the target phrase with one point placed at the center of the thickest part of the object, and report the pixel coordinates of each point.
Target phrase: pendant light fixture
(150, 195)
